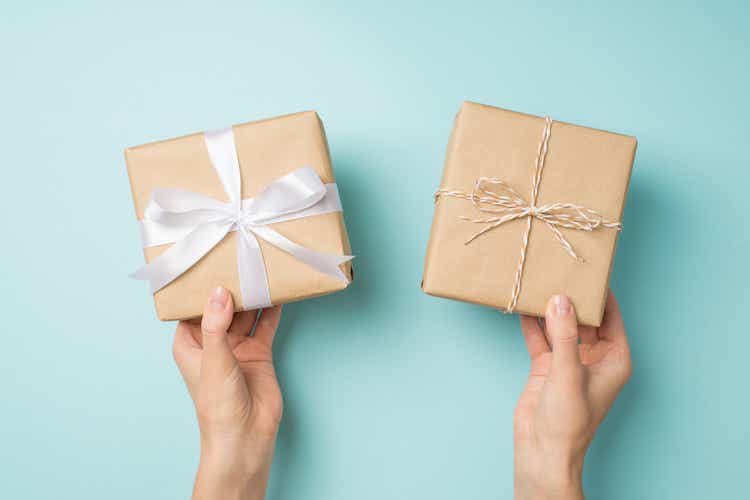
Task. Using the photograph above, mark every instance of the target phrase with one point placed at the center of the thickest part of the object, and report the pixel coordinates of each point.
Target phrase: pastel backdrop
(389, 393)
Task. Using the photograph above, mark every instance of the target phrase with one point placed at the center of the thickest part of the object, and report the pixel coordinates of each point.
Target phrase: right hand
(570, 389)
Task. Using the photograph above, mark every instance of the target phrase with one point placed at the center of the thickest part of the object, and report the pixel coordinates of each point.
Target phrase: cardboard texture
(583, 166)
(267, 150)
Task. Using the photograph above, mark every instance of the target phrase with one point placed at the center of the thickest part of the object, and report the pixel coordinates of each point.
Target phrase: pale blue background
(389, 393)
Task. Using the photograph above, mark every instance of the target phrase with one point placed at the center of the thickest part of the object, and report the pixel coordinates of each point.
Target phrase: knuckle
(625, 364)
(627, 370)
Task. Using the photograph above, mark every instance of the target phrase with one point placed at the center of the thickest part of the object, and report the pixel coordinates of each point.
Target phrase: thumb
(562, 330)
(217, 360)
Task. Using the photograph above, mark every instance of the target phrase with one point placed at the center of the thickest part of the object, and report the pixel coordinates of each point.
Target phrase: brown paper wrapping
(584, 166)
(267, 150)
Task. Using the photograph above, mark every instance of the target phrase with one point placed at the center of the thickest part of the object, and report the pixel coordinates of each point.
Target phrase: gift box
(528, 207)
(253, 208)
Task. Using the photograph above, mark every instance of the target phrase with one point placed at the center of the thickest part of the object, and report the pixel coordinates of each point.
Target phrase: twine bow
(495, 196)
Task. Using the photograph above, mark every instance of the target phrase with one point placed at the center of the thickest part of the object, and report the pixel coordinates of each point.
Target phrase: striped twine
(495, 196)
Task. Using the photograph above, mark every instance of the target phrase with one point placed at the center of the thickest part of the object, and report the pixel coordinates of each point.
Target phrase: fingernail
(562, 305)
(218, 300)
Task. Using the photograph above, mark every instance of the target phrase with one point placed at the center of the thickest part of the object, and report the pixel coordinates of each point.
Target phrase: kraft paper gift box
(267, 150)
(487, 187)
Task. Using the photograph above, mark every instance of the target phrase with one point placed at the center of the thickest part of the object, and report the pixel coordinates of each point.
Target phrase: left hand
(232, 381)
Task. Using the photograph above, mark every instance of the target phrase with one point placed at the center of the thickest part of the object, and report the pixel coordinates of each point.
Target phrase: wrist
(233, 470)
(246, 457)
(215, 480)
(548, 475)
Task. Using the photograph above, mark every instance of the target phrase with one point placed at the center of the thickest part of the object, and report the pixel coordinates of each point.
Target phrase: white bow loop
(286, 195)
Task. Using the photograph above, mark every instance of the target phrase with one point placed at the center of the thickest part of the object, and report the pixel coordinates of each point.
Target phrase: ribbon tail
(564, 242)
(326, 263)
(155, 233)
(181, 256)
(252, 272)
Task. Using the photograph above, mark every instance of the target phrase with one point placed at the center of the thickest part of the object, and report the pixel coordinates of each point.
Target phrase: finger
(193, 326)
(217, 359)
(183, 336)
(243, 323)
(241, 326)
(536, 343)
(588, 334)
(562, 330)
(187, 355)
(268, 323)
(613, 328)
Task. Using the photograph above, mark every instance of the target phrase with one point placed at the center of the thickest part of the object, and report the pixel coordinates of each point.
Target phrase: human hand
(232, 381)
(569, 392)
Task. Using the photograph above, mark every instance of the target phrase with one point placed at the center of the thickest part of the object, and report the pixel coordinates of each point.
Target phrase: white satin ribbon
(196, 223)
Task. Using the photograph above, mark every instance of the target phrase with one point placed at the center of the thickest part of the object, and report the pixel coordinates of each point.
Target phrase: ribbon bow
(493, 195)
(196, 223)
